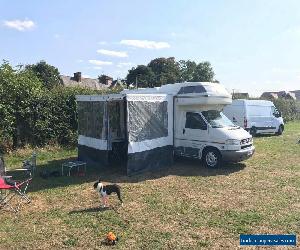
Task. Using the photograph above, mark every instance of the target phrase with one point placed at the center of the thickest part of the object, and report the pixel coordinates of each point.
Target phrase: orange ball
(111, 236)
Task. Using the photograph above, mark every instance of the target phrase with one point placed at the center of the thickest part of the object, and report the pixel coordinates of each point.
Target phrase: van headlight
(232, 142)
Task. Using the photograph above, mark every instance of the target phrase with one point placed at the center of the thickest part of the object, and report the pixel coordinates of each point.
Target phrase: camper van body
(182, 119)
(255, 116)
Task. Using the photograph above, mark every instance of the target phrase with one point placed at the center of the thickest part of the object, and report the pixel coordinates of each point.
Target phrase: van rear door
(260, 116)
(236, 113)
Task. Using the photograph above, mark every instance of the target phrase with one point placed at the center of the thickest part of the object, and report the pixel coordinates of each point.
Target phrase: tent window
(90, 119)
(147, 120)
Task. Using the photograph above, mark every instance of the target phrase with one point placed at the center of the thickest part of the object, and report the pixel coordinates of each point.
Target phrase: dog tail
(119, 194)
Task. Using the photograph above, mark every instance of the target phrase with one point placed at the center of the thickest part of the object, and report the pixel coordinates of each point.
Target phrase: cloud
(285, 70)
(100, 63)
(124, 64)
(19, 24)
(97, 67)
(112, 53)
(79, 60)
(102, 43)
(145, 44)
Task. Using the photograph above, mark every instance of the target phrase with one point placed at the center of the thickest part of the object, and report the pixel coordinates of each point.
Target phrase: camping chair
(10, 188)
(29, 165)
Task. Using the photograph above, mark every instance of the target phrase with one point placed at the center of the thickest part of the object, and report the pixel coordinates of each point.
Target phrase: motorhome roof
(183, 88)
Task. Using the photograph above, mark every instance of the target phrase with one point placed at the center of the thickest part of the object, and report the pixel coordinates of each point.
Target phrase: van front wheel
(212, 158)
(253, 131)
(280, 130)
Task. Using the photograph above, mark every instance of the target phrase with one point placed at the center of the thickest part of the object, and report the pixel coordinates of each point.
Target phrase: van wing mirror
(204, 126)
(277, 114)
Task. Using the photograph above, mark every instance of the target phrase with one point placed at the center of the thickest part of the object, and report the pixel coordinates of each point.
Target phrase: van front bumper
(237, 156)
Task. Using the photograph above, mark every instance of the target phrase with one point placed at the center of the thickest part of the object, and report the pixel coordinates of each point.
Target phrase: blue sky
(252, 45)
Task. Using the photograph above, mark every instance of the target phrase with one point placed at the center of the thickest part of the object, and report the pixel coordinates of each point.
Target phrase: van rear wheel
(212, 158)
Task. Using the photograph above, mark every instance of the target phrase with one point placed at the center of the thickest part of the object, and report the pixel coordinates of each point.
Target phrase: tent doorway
(117, 135)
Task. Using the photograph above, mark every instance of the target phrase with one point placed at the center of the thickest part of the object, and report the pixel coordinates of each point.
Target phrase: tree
(187, 70)
(48, 74)
(166, 70)
(142, 75)
(18, 90)
(203, 73)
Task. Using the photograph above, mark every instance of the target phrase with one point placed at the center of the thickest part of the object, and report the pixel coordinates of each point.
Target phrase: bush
(290, 109)
(34, 115)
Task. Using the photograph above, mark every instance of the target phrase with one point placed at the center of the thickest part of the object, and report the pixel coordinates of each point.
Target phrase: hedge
(290, 109)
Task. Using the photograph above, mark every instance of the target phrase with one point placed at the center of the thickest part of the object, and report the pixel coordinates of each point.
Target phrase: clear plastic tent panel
(91, 116)
(147, 120)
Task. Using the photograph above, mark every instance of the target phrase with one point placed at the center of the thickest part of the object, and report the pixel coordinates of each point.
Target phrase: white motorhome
(149, 126)
(255, 116)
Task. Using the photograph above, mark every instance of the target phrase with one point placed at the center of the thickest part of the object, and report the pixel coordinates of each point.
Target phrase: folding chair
(29, 165)
(10, 188)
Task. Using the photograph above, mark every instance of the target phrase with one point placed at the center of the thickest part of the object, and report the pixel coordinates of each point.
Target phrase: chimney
(77, 76)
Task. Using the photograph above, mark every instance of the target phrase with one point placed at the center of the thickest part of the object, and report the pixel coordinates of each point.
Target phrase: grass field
(184, 207)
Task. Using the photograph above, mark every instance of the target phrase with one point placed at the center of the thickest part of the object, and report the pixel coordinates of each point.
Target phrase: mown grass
(184, 207)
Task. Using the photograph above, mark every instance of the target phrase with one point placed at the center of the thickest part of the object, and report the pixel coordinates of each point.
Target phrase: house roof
(297, 94)
(283, 94)
(270, 94)
(85, 82)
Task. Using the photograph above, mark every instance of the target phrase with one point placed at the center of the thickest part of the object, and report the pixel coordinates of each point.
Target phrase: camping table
(72, 164)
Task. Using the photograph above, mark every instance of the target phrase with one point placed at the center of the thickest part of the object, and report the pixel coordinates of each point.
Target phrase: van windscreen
(217, 119)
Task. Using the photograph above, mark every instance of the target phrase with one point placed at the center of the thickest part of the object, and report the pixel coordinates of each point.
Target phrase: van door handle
(183, 131)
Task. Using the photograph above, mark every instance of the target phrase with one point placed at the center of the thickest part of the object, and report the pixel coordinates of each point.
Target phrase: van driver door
(192, 134)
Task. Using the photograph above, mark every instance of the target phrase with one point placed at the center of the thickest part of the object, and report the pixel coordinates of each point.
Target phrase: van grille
(246, 146)
(247, 140)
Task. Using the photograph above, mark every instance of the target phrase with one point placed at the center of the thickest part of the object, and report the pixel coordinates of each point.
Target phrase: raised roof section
(185, 89)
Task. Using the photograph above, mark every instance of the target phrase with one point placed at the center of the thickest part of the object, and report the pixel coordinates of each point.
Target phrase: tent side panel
(92, 156)
(157, 158)
(92, 130)
(150, 132)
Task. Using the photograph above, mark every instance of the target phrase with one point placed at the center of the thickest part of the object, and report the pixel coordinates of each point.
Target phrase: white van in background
(255, 116)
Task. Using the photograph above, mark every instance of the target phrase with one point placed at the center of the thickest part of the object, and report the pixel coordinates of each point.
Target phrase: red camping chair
(10, 188)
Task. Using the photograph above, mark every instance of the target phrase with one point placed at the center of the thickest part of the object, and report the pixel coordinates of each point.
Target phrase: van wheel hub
(211, 159)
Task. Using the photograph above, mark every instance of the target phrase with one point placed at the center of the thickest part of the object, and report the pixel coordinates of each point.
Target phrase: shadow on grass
(181, 167)
(90, 210)
(265, 135)
(117, 174)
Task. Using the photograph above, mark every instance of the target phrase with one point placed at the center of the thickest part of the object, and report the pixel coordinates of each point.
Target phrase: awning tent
(143, 123)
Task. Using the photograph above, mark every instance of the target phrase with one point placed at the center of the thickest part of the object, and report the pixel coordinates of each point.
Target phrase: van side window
(192, 89)
(194, 121)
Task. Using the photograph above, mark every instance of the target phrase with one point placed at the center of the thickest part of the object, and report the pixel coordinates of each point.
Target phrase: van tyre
(280, 130)
(253, 131)
(212, 158)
